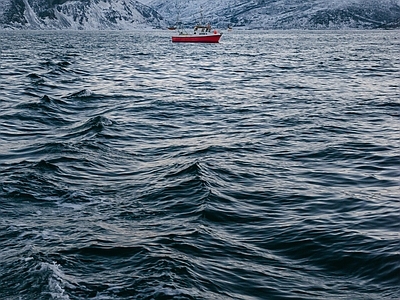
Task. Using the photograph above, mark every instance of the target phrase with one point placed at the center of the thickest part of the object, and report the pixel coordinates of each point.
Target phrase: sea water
(263, 167)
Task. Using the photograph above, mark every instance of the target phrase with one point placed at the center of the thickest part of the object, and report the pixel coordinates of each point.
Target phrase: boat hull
(192, 38)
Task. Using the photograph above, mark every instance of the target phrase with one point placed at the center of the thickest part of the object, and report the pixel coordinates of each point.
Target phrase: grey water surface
(263, 167)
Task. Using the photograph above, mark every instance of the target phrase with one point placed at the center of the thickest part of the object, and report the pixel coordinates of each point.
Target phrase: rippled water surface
(263, 167)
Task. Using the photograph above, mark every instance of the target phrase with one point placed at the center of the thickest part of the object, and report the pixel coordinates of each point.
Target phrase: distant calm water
(263, 167)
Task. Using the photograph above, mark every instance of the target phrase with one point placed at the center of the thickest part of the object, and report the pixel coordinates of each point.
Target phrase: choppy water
(263, 167)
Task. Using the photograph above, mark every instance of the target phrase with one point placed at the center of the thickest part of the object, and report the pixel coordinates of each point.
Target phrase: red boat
(201, 34)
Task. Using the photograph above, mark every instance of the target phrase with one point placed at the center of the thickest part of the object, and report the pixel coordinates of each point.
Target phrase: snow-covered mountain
(285, 14)
(78, 14)
(252, 14)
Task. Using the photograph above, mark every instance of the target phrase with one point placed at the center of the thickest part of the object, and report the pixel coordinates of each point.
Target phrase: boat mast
(177, 14)
(201, 15)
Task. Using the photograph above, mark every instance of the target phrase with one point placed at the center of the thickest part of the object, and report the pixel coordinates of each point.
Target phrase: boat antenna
(201, 15)
(177, 9)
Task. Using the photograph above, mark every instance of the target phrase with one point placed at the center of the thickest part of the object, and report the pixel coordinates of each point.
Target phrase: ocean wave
(144, 171)
(89, 128)
(84, 94)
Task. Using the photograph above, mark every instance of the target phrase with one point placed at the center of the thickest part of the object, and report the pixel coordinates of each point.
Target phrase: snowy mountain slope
(284, 14)
(4, 6)
(78, 14)
(252, 14)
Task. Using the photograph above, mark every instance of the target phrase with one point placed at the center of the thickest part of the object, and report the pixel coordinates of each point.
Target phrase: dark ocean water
(263, 167)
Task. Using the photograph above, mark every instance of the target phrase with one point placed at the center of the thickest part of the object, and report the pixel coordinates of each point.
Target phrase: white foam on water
(57, 281)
